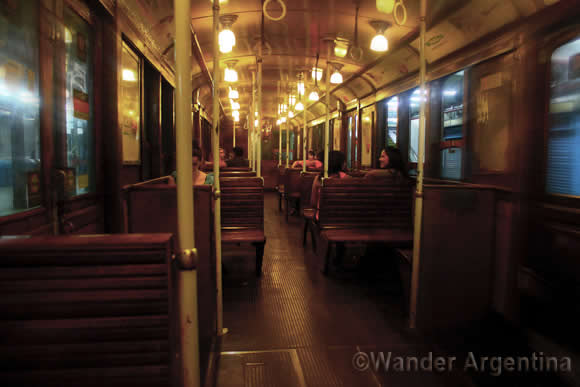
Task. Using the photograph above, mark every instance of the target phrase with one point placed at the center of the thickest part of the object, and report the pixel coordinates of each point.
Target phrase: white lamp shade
(299, 106)
(336, 77)
(316, 73)
(290, 114)
(313, 96)
(379, 43)
(237, 118)
(234, 94)
(231, 75)
(236, 106)
(301, 88)
(227, 38)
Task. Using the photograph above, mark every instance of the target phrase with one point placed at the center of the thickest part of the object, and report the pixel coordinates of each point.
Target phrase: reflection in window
(563, 169)
(130, 105)
(19, 107)
(392, 109)
(414, 107)
(79, 102)
(349, 143)
(452, 106)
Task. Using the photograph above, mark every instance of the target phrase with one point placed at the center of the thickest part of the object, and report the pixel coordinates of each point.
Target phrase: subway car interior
(289, 193)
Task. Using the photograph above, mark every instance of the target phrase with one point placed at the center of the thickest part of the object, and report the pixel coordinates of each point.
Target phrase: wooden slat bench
(242, 213)
(358, 211)
(86, 310)
(306, 211)
(152, 208)
(237, 174)
(292, 188)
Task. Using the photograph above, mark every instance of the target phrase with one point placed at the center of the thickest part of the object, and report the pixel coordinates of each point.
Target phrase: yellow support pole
(234, 143)
(259, 110)
(215, 139)
(287, 144)
(279, 130)
(304, 142)
(327, 123)
(253, 119)
(420, 161)
(188, 317)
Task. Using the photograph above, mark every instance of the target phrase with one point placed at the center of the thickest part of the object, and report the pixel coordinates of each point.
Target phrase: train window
(19, 107)
(392, 110)
(452, 106)
(79, 102)
(563, 169)
(414, 106)
(130, 105)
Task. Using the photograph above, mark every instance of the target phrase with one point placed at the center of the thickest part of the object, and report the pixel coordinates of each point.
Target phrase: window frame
(565, 35)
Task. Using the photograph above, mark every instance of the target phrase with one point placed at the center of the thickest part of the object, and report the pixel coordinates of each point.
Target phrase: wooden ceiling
(292, 44)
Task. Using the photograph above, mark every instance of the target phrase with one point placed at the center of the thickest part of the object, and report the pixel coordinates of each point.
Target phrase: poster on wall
(336, 134)
(367, 124)
(130, 134)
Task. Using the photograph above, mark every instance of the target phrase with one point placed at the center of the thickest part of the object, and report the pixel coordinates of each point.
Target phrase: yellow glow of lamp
(233, 94)
(385, 6)
(380, 42)
(316, 73)
(290, 114)
(299, 106)
(226, 37)
(340, 47)
(230, 74)
(313, 95)
(129, 75)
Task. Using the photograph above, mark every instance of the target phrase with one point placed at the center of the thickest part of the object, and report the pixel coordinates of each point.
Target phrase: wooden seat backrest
(86, 310)
(292, 180)
(358, 203)
(242, 203)
(306, 180)
(237, 174)
(153, 209)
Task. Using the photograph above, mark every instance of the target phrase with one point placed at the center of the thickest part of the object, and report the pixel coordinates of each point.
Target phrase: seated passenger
(198, 176)
(391, 166)
(223, 163)
(336, 166)
(310, 163)
(238, 160)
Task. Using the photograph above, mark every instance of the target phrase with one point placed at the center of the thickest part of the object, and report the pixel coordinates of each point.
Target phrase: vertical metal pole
(420, 161)
(259, 110)
(287, 144)
(215, 138)
(253, 115)
(234, 143)
(327, 123)
(304, 142)
(187, 257)
(279, 129)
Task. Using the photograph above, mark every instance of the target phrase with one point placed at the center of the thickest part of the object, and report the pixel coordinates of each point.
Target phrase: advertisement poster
(336, 134)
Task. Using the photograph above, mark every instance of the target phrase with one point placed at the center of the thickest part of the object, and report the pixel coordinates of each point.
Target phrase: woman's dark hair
(320, 156)
(196, 152)
(335, 162)
(238, 152)
(395, 160)
(311, 152)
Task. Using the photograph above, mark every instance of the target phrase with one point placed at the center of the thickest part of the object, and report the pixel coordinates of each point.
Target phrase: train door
(49, 148)
(80, 206)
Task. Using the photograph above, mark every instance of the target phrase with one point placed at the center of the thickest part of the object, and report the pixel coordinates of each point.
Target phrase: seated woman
(312, 162)
(390, 164)
(336, 166)
(198, 176)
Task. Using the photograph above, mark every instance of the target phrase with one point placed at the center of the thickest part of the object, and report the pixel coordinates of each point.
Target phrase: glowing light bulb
(379, 43)
(336, 77)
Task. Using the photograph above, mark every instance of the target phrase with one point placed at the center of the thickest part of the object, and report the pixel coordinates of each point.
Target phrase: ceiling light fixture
(336, 77)
(226, 38)
(380, 42)
(231, 75)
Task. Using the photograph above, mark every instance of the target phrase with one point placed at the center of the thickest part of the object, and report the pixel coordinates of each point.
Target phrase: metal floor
(296, 327)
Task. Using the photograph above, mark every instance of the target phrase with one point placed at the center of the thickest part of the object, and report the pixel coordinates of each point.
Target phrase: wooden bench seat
(356, 210)
(384, 235)
(87, 310)
(242, 213)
